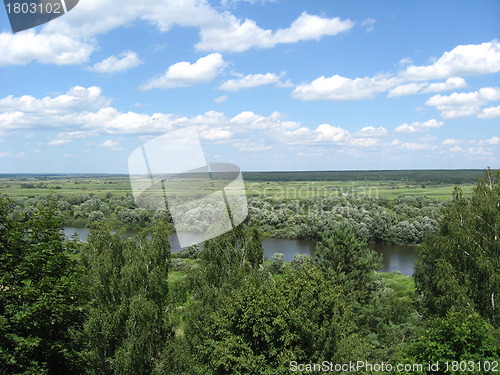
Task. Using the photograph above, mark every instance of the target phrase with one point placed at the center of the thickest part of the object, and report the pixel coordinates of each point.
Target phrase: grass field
(25, 186)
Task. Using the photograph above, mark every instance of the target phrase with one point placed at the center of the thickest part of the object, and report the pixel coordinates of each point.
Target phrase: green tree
(348, 262)
(39, 299)
(460, 265)
(126, 325)
(460, 336)
(265, 323)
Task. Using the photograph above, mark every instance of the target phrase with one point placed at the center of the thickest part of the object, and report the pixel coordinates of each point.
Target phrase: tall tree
(460, 265)
(39, 299)
(349, 262)
(127, 325)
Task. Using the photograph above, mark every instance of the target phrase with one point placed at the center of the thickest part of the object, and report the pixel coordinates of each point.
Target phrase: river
(395, 257)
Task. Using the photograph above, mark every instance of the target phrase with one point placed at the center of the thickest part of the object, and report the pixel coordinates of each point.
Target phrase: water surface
(395, 257)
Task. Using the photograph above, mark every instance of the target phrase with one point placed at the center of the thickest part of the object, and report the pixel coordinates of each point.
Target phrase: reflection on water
(395, 257)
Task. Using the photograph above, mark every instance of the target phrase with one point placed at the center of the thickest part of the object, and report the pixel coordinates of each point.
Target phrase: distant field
(384, 189)
(289, 185)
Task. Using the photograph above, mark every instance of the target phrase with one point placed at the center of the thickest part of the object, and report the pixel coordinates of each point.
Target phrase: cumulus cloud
(215, 134)
(236, 35)
(184, 74)
(490, 112)
(342, 88)
(250, 80)
(231, 2)
(419, 126)
(451, 83)
(220, 99)
(251, 121)
(326, 132)
(471, 59)
(111, 144)
(75, 99)
(27, 46)
(59, 142)
(72, 39)
(465, 104)
(113, 64)
(371, 131)
(413, 146)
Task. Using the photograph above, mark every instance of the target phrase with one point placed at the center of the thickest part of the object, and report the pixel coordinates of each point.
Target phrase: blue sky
(271, 85)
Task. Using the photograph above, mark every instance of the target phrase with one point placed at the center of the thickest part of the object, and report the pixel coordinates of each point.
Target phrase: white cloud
(451, 83)
(490, 112)
(451, 141)
(407, 89)
(221, 99)
(110, 143)
(72, 39)
(342, 88)
(250, 120)
(113, 64)
(230, 2)
(405, 61)
(184, 74)
(413, 146)
(72, 135)
(59, 142)
(215, 134)
(419, 126)
(471, 59)
(252, 147)
(326, 132)
(113, 145)
(27, 46)
(236, 35)
(480, 151)
(457, 149)
(250, 80)
(27, 112)
(371, 131)
(464, 104)
(491, 141)
(369, 23)
(364, 142)
(4, 154)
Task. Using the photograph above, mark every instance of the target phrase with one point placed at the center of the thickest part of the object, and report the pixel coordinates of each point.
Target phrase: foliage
(278, 263)
(263, 324)
(348, 262)
(460, 336)
(39, 299)
(126, 324)
(460, 265)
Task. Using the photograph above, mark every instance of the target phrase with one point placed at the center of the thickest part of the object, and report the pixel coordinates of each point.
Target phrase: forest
(120, 305)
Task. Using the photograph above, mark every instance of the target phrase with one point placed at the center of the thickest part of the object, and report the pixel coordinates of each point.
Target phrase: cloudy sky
(271, 85)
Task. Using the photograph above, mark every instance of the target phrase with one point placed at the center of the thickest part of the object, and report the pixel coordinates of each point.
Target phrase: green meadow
(18, 186)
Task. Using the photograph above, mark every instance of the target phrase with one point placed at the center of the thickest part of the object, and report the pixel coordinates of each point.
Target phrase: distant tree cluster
(407, 219)
(431, 176)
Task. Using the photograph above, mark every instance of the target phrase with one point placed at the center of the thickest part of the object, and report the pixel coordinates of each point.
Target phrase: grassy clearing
(404, 286)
